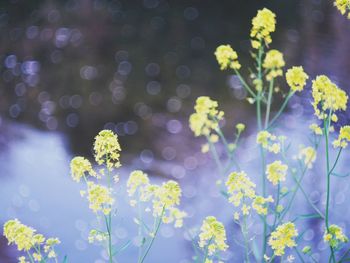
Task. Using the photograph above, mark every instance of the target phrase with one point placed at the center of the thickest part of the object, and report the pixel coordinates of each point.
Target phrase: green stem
(297, 188)
(326, 124)
(344, 255)
(109, 219)
(244, 83)
(30, 257)
(140, 228)
(244, 232)
(268, 107)
(153, 236)
(277, 214)
(215, 156)
(280, 111)
(207, 250)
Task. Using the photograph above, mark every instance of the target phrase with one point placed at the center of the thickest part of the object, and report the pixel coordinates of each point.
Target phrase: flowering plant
(268, 201)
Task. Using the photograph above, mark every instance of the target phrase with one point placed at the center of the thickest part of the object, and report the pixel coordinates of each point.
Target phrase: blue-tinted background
(71, 68)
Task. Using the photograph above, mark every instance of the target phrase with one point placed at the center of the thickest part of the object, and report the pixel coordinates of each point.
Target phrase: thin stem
(230, 153)
(344, 255)
(258, 115)
(30, 257)
(109, 218)
(299, 255)
(215, 155)
(277, 214)
(244, 232)
(326, 124)
(280, 111)
(244, 83)
(297, 188)
(154, 234)
(140, 228)
(269, 101)
(206, 252)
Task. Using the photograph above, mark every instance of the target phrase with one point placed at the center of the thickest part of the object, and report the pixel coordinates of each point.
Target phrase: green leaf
(65, 259)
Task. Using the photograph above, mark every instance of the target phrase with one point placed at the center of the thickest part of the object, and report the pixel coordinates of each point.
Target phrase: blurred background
(71, 68)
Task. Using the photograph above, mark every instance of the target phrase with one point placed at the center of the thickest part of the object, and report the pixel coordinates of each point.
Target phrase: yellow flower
(263, 24)
(26, 239)
(22, 260)
(79, 166)
(343, 6)
(165, 196)
(205, 148)
(343, 138)
(296, 78)
(107, 149)
(174, 215)
(274, 62)
(327, 97)
(239, 186)
(334, 236)
(206, 116)
(37, 257)
(213, 235)
(316, 129)
(283, 237)
(268, 141)
(227, 57)
(260, 204)
(20, 234)
(100, 198)
(137, 181)
(276, 172)
(308, 156)
(98, 236)
(240, 127)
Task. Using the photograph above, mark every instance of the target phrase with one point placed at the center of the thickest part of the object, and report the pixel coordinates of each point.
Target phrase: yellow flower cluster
(138, 181)
(79, 166)
(343, 6)
(96, 235)
(296, 78)
(268, 141)
(316, 129)
(276, 172)
(241, 190)
(212, 235)
(164, 198)
(260, 204)
(274, 62)
(26, 239)
(227, 57)
(239, 186)
(206, 116)
(100, 198)
(308, 156)
(263, 24)
(334, 236)
(283, 237)
(327, 97)
(343, 138)
(107, 149)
